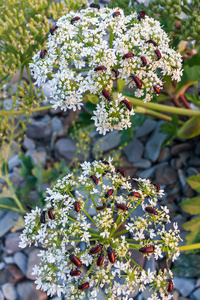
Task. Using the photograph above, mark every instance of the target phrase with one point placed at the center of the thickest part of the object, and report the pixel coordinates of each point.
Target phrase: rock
(1, 295)
(28, 143)
(183, 285)
(9, 291)
(33, 260)
(184, 184)
(196, 294)
(134, 150)
(15, 273)
(14, 162)
(153, 146)
(7, 222)
(108, 142)
(9, 259)
(150, 264)
(181, 161)
(66, 148)
(82, 246)
(150, 172)
(194, 161)
(16, 178)
(11, 242)
(137, 257)
(46, 119)
(46, 89)
(147, 127)
(165, 155)
(5, 276)
(56, 124)
(180, 148)
(183, 298)
(166, 175)
(40, 158)
(21, 261)
(2, 265)
(138, 212)
(143, 164)
(175, 295)
(197, 149)
(38, 130)
(27, 291)
(191, 172)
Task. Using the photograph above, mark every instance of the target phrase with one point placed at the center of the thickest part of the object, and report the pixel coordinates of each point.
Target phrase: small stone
(196, 294)
(175, 295)
(154, 144)
(27, 291)
(184, 286)
(21, 261)
(192, 171)
(66, 148)
(150, 264)
(149, 173)
(180, 148)
(147, 127)
(184, 184)
(108, 142)
(143, 164)
(82, 246)
(183, 298)
(56, 124)
(12, 241)
(194, 161)
(16, 178)
(197, 149)
(134, 150)
(2, 265)
(165, 155)
(166, 175)
(40, 158)
(9, 291)
(9, 259)
(137, 257)
(7, 222)
(15, 273)
(33, 260)
(14, 162)
(38, 130)
(28, 143)
(1, 295)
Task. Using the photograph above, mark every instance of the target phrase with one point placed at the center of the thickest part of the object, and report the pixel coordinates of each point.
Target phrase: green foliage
(190, 128)
(192, 206)
(170, 129)
(194, 98)
(136, 121)
(187, 266)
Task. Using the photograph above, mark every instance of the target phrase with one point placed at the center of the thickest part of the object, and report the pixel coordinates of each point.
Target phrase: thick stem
(184, 100)
(189, 247)
(19, 112)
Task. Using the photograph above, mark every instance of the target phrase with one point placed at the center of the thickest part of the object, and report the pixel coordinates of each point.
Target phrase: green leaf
(194, 182)
(190, 75)
(120, 85)
(194, 227)
(187, 266)
(19, 224)
(194, 98)
(8, 203)
(37, 173)
(92, 98)
(191, 205)
(27, 165)
(170, 129)
(85, 118)
(190, 128)
(90, 106)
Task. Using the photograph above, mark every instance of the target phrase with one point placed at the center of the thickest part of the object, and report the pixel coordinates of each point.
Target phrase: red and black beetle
(75, 273)
(170, 286)
(151, 210)
(158, 54)
(145, 250)
(122, 206)
(96, 249)
(137, 81)
(100, 259)
(134, 194)
(127, 55)
(152, 42)
(156, 185)
(105, 162)
(116, 72)
(74, 19)
(42, 53)
(121, 170)
(109, 193)
(50, 214)
(111, 255)
(95, 179)
(115, 14)
(42, 217)
(84, 286)
(100, 68)
(127, 104)
(101, 207)
(156, 89)
(94, 5)
(106, 95)
(77, 206)
(144, 61)
(141, 14)
(52, 29)
(75, 260)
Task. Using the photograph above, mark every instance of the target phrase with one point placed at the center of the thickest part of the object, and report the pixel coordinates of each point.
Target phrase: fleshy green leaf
(191, 205)
(190, 128)
(194, 227)
(120, 85)
(194, 182)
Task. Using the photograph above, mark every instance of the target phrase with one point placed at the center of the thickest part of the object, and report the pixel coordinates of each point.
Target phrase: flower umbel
(87, 232)
(88, 50)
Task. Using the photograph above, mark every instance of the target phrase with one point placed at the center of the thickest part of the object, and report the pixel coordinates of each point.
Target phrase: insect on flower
(151, 210)
(158, 54)
(100, 68)
(106, 95)
(116, 72)
(96, 249)
(42, 53)
(134, 194)
(109, 193)
(145, 250)
(152, 42)
(50, 214)
(84, 286)
(77, 206)
(122, 206)
(170, 286)
(52, 29)
(101, 207)
(156, 185)
(42, 217)
(137, 81)
(111, 255)
(94, 5)
(156, 89)
(74, 20)
(127, 55)
(115, 14)
(144, 61)
(127, 104)
(75, 260)
(95, 179)
(75, 273)
(141, 14)
(105, 162)
(121, 171)
(100, 259)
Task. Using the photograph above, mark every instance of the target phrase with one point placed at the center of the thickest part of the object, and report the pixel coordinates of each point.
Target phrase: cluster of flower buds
(88, 231)
(79, 58)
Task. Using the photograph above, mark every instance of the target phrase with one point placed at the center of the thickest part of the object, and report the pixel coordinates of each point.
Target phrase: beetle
(145, 250)
(135, 194)
(144, 61)
(74, 19)
(158, 54)
(101, 207)
(156, 185)
(141, 14)
(151, 210)
(50, 214)
(156, 89)
(75, 273)
(100, 68)
(137, 81)
(127, 55)
(127, 104)
(77, 206)
(95, 179)
(105, 162)
(116, 72)
(75, 260)
(100, 259)
(152, 42)
(42, 217)
(52, 29)
(84, 286)
(121, 171)
(122, 206)
(115, 14)
(94, 5)
(109, 193)
(96, 249)
(111, 255)
(42, 53)
(106, 95)
(170, 286)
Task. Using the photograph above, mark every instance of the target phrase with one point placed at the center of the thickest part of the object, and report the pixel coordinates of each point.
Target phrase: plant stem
(111, 38)
(19, 112)
(189, 247)
(184, 100)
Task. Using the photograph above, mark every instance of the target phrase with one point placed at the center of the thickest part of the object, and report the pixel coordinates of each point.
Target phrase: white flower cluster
(88, 50)
(83, 254)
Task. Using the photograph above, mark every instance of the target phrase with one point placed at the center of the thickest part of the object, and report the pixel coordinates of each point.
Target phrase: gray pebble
(184, 286)
(108, 141)
(20, 260)
(38, 130)
(134, 150)
(28, 143)
(7, 222)
(13, 162)
(82, 246)
(9, 291)
(147, 127)
(143, 164)
(9, 260)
